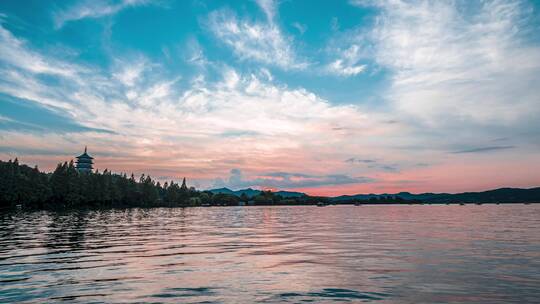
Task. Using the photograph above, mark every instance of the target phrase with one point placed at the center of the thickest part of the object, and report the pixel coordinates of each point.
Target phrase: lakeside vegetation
(66, 188)
(23, 186)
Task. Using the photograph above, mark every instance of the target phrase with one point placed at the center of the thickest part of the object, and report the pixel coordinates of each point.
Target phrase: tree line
(66, 187)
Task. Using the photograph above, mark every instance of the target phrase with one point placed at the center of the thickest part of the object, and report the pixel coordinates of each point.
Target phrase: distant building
(84, 162)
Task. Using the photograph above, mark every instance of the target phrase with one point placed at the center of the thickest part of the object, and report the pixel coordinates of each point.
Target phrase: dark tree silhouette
(66, 187)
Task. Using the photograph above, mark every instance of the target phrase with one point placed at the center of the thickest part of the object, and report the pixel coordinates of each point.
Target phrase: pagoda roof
(85, 155)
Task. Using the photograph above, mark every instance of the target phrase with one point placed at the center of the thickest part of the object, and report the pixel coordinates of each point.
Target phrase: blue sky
(322, 96)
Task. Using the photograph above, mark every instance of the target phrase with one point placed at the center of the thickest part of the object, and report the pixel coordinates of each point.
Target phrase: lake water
(297, 254)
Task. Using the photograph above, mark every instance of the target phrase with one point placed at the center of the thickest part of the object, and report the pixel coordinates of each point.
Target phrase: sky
(324, 97)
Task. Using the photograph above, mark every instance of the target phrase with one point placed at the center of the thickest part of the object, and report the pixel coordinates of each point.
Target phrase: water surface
(297, 254)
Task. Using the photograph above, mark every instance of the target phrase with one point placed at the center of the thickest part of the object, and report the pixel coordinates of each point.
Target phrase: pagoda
(84, 162)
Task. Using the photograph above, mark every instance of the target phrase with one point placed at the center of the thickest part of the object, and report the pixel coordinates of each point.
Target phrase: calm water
(385, 254)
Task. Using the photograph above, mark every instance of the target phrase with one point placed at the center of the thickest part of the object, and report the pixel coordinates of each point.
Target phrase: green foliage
(66, 187)
(268, 198)
(223, 199)
(21, 183)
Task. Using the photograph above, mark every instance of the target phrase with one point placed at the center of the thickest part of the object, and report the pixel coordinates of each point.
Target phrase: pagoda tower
(84, 162)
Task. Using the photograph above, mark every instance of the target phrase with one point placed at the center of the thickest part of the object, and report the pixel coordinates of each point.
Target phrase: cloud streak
(93, 9)
(373, 164)
(452, 64)
(484, 149)
(27, 116)
(287, 180)
(262, 42)
(348, 62)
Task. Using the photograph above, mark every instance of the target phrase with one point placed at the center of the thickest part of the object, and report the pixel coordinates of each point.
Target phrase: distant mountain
(497, 195)
(403, 195)
(253, 192)
(503, 195)
(222, 191)
(248, 192)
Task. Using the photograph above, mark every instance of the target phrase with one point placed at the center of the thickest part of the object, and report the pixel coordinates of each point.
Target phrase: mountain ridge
(254, 192)
(505, 194)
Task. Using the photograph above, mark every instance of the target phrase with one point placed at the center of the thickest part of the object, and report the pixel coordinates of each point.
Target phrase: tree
(65, 187)
(184, 186)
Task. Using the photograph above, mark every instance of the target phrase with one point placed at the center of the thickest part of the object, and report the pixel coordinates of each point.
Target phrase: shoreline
(119, 207)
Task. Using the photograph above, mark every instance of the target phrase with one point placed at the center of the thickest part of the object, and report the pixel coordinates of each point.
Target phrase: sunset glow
(321, 97)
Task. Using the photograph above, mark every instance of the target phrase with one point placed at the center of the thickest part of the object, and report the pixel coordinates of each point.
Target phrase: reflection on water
(385, 254)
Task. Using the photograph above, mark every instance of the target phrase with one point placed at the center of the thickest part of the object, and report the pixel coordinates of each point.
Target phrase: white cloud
(449, 70)
(286, 180)
(456, 62)
(302, 28)
(14, 52)
(130, 72)
(160, 125)
(195, 54)
(340, 68)
(22, 68)
(334, 24)
(269, 8)
(348, 62)
(258, 41)
(93, 9)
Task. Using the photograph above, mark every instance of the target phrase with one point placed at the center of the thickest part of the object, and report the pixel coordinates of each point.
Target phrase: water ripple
(384, 254)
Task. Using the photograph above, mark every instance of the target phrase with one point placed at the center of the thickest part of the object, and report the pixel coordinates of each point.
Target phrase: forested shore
(22, 186)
